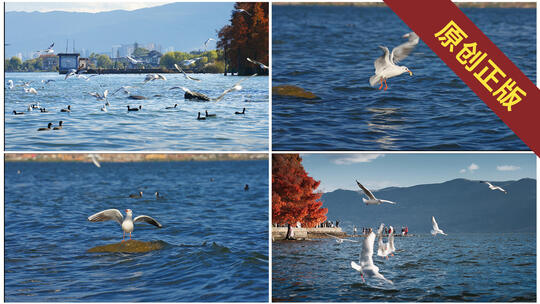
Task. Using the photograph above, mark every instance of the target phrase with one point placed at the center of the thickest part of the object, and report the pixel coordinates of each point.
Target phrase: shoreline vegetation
(382, 4)
(127, 158)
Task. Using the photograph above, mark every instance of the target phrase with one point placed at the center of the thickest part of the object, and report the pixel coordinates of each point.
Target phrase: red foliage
(246, 36)
(293, 196)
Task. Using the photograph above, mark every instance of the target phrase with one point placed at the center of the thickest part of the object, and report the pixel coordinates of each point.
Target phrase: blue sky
(88, 7)
(380, 170)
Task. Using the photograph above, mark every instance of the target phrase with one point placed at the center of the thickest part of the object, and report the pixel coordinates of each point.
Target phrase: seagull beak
(410, 73)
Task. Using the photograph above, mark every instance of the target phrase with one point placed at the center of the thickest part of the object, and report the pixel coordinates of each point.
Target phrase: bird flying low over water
(372, 199)
(340, 240)
(152, 77)
(235, 87)
(185, 75)
(98, 96)
(383, 249)
(133, 60)
(435, 230)
(127, 223)
(94, 159)
(492, 187)
(366, 267)
(261, 65)
(386, 65)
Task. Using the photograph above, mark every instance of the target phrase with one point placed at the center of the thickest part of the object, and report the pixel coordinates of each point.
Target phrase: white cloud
(473, 167)
(507, 168)
(356, 158)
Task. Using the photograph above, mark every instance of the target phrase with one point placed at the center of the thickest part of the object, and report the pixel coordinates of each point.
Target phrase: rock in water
(136, 97)
(130, 246)
(292, 91)
(196, 95)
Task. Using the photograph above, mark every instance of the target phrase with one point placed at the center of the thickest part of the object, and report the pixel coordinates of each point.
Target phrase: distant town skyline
(381, 170)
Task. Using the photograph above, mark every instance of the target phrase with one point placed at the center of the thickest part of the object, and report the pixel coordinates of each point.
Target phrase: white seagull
(366, 266)
(340, 240)
(99, 96)
(48, 50)
(95, 157)
(241, 10)
(133, 60)
(185, 75)
(125, 89)
(189, 62)
(386, 65)
(30, 90)
(372, 199)
(383, 249)
(235, 87)
(492, 187)
(127, 223)
(391, 240)
(436, 229)
(206, 42)
(152, 77)
(261, 65)
(10, 84)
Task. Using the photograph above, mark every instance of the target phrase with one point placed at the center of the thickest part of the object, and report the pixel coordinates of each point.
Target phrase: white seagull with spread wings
(386, 65)
(372, 199)
(127, 223)
(366, 267)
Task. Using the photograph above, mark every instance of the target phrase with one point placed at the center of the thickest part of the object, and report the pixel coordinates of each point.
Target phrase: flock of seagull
(188, 94)
(366, 266)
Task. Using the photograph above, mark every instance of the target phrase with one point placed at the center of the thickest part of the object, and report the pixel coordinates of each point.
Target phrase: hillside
(459, 205)
(168, 25)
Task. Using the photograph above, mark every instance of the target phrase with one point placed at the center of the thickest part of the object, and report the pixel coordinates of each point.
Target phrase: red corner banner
(478, 62)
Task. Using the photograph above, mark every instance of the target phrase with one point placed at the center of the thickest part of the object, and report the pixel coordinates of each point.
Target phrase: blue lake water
(215, 233)
(330, 51)
(154, 128)
(462, 267)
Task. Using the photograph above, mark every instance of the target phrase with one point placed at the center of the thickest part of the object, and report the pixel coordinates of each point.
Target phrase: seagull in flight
(48, 50)
(235, 87)
(435, 230)
(94, 159)
(492, 187)
(133, 60)
(127, 223)
(10, 84)
(152, 77)
(30, 90)
(261, 65)
(99, 96)
(372, 200)
(340, 240)
(125, 89)
(206, 42)
(241, 10)
(366, 267)
(383, 249)
(386, 65)
(74, 72)
(189, 62)
(185, 75)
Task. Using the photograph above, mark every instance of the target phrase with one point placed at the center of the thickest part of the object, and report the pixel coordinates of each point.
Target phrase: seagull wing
(95, 94)
(350, 240)
(146, 219)
(403, 50)
(107, 215)
(366, 191)
(389, 202)
(434, 223)
(383, 61)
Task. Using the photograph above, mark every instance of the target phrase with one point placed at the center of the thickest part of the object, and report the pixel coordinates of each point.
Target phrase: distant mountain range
(459, 205)
(185, 26)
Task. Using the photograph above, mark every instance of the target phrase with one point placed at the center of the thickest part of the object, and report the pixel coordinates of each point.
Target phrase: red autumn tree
(293, 196)
(246, 37)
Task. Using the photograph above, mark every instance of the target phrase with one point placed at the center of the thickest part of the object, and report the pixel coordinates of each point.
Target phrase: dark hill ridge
(168, 25)
(459, 205)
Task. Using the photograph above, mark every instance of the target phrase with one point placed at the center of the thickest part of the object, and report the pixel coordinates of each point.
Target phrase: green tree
(104, 62)
(140, 52)
(15, 64)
